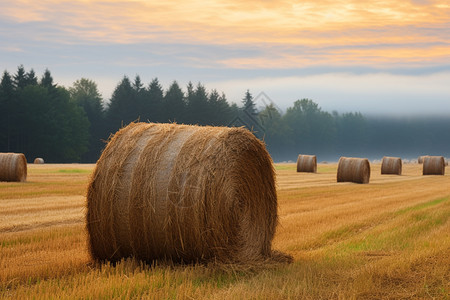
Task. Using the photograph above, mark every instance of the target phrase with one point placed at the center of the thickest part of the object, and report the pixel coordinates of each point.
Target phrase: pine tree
(6, 111)
(47, 80)
(30, 78)
(249, 104)
(121, 109)
(174, 106)
(219, 109)
(154, 102)
(20, 80)
(197, 105)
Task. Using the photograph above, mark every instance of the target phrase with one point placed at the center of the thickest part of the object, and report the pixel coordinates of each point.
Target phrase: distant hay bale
(183, 193)
(13, 167)
(38, 160)
(307, 163)
(351, 169)
(420, 159)
(433, 165)
(391, 165)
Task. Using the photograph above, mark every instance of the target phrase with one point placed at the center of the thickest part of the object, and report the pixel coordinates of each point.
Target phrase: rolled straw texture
(433, 165)
(183, 193)
(307, 163)
(391, 165)
(38, 160)
(351, 169)
(13, 167)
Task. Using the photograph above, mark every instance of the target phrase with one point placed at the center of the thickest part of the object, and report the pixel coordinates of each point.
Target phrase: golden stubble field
(387, 239)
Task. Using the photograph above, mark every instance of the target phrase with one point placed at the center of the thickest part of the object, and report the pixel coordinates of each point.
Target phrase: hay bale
(391, 165)
(183, 193)
(420, 159)
(351, 169)
(307, 163)
(38, 160)
(433, 165)
(13, 167)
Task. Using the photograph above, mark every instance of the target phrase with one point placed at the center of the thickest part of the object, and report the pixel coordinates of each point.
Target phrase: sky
(377, 57)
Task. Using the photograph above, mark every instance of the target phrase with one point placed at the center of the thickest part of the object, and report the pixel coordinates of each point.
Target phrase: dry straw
(38, 160)
(183, 193)
(433, 165)
(307, 163)
(351, 169)
(13, 167)
(391, 165)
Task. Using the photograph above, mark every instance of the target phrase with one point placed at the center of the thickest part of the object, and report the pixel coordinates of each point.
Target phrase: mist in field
(374, 137)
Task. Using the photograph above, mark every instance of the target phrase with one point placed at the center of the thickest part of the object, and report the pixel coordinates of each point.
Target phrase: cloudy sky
(372, 56)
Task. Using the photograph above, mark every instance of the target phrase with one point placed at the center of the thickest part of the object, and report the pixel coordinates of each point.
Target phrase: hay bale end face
(391, 165)
(434, 165)
(307, 163)
(183, 193)
(351, 169)
(38, 161)
(13, 167)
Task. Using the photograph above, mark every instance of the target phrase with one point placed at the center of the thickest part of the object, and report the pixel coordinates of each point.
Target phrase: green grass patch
(388, 232)
(292, 167)
(408, 227)
(326, 169)
(422, 205)
(74, 171)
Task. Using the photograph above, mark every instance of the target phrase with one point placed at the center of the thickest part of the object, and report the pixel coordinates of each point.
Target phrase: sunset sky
(376, 57)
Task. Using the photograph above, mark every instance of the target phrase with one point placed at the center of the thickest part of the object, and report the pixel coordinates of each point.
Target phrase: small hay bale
(307, 163)
(38, 161)
(420, 159)
(391, 165)
(433, 165)
(183, 193)
(351, 169)
(13, 167)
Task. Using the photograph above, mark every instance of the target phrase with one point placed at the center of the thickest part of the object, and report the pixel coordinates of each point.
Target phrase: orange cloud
(407, 31)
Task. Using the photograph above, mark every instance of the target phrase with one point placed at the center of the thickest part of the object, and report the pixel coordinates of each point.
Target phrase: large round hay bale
(13, 167)
(352, 169)
(433, 165)
(307, 163)
(391, 165)
(38, 160)
(184, 193)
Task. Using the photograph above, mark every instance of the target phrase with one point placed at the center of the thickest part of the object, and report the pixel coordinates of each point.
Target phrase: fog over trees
(41, 119)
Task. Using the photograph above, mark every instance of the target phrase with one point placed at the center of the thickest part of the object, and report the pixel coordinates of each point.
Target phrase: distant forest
(71, 124)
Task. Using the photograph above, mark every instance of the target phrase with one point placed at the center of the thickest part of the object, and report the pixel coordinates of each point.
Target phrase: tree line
(42, 119)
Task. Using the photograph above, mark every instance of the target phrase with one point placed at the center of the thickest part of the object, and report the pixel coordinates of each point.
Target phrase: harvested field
(386, 239)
